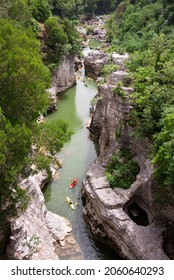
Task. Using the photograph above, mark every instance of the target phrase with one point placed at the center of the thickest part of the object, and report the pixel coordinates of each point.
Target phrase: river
(76, 156)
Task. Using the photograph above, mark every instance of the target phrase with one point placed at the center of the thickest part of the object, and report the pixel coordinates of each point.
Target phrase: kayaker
(74, 182)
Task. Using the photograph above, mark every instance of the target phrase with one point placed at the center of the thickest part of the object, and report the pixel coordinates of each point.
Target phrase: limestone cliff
(94, 63)
(129, 221)
(63, 78)
(34, 234)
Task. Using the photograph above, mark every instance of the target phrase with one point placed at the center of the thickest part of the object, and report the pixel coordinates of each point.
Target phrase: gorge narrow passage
(76, 156)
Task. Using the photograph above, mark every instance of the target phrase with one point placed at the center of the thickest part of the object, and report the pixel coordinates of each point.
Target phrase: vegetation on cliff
(24, 79)
(122, 170)
(145, 29)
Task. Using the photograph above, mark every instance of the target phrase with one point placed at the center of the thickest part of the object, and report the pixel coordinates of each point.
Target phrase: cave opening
(136, 213)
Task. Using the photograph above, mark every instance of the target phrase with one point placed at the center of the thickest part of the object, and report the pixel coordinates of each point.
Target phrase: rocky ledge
(36, 232)
(128, 221)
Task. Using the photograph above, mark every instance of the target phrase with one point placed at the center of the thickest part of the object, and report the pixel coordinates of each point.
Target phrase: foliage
(23, 82)
(90, 7)
(52, 136)
(73, 8)
(145, 29)
(40, 9)
(122, 170)
(134, 27)
(62, 39)
(108, 69)
(23, 77)
(35, 27)
(89, 30)
(15, 143)
(164, 148)
(17, 10)
(118, 89)
(154, 83)
(105, 6)
(67, 8)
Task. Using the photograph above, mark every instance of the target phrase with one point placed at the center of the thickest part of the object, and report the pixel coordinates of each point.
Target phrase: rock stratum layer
(129, 221)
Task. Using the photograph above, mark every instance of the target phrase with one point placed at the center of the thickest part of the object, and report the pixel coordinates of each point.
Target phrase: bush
(122, 170)
(119, 91)
(108, 69)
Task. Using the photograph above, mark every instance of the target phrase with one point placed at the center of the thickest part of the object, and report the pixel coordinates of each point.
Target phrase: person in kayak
(73, 183)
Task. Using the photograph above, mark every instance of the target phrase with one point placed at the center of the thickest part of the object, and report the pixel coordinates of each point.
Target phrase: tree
(62, 39)
(15, 143)
(40, 9)
(105, 6)
(164, 154)
(67, 8)
(90, 7)
(15, 10)
(23, 76)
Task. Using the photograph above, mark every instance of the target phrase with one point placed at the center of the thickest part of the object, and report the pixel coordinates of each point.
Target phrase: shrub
(122, 170)
(108, 69)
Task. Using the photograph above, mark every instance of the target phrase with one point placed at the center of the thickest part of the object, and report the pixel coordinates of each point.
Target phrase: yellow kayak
(71, 204)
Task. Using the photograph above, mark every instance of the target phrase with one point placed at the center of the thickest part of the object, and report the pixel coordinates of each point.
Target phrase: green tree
(122, 170)
(62, 39)
(67, 8)
(163, 151)
(23, 76)
(40, 9)
(15, 10)
(15, 143)
(90, 7)
(105, 6)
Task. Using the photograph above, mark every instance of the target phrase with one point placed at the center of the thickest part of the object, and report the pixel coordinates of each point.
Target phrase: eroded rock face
(35, 232)
(63, 78)
(94, 63)
(129, 221)
(112, 226)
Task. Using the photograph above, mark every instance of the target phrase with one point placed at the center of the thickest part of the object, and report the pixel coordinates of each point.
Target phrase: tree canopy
(23, 76)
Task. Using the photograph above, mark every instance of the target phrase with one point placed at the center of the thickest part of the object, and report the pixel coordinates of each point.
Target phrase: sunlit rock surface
(35, 233)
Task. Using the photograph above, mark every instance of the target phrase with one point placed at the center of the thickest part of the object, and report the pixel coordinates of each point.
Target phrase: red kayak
(73, 183)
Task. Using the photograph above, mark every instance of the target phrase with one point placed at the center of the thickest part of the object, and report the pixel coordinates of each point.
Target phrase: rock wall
(63, 78)
(35, 233)
(94, 63)
(129, 221)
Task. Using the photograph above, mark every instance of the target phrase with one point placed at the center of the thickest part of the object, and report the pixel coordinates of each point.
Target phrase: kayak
(71, 204)
(73, 183)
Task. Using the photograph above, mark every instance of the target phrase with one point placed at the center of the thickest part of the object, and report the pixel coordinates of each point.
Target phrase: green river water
(76, 156)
